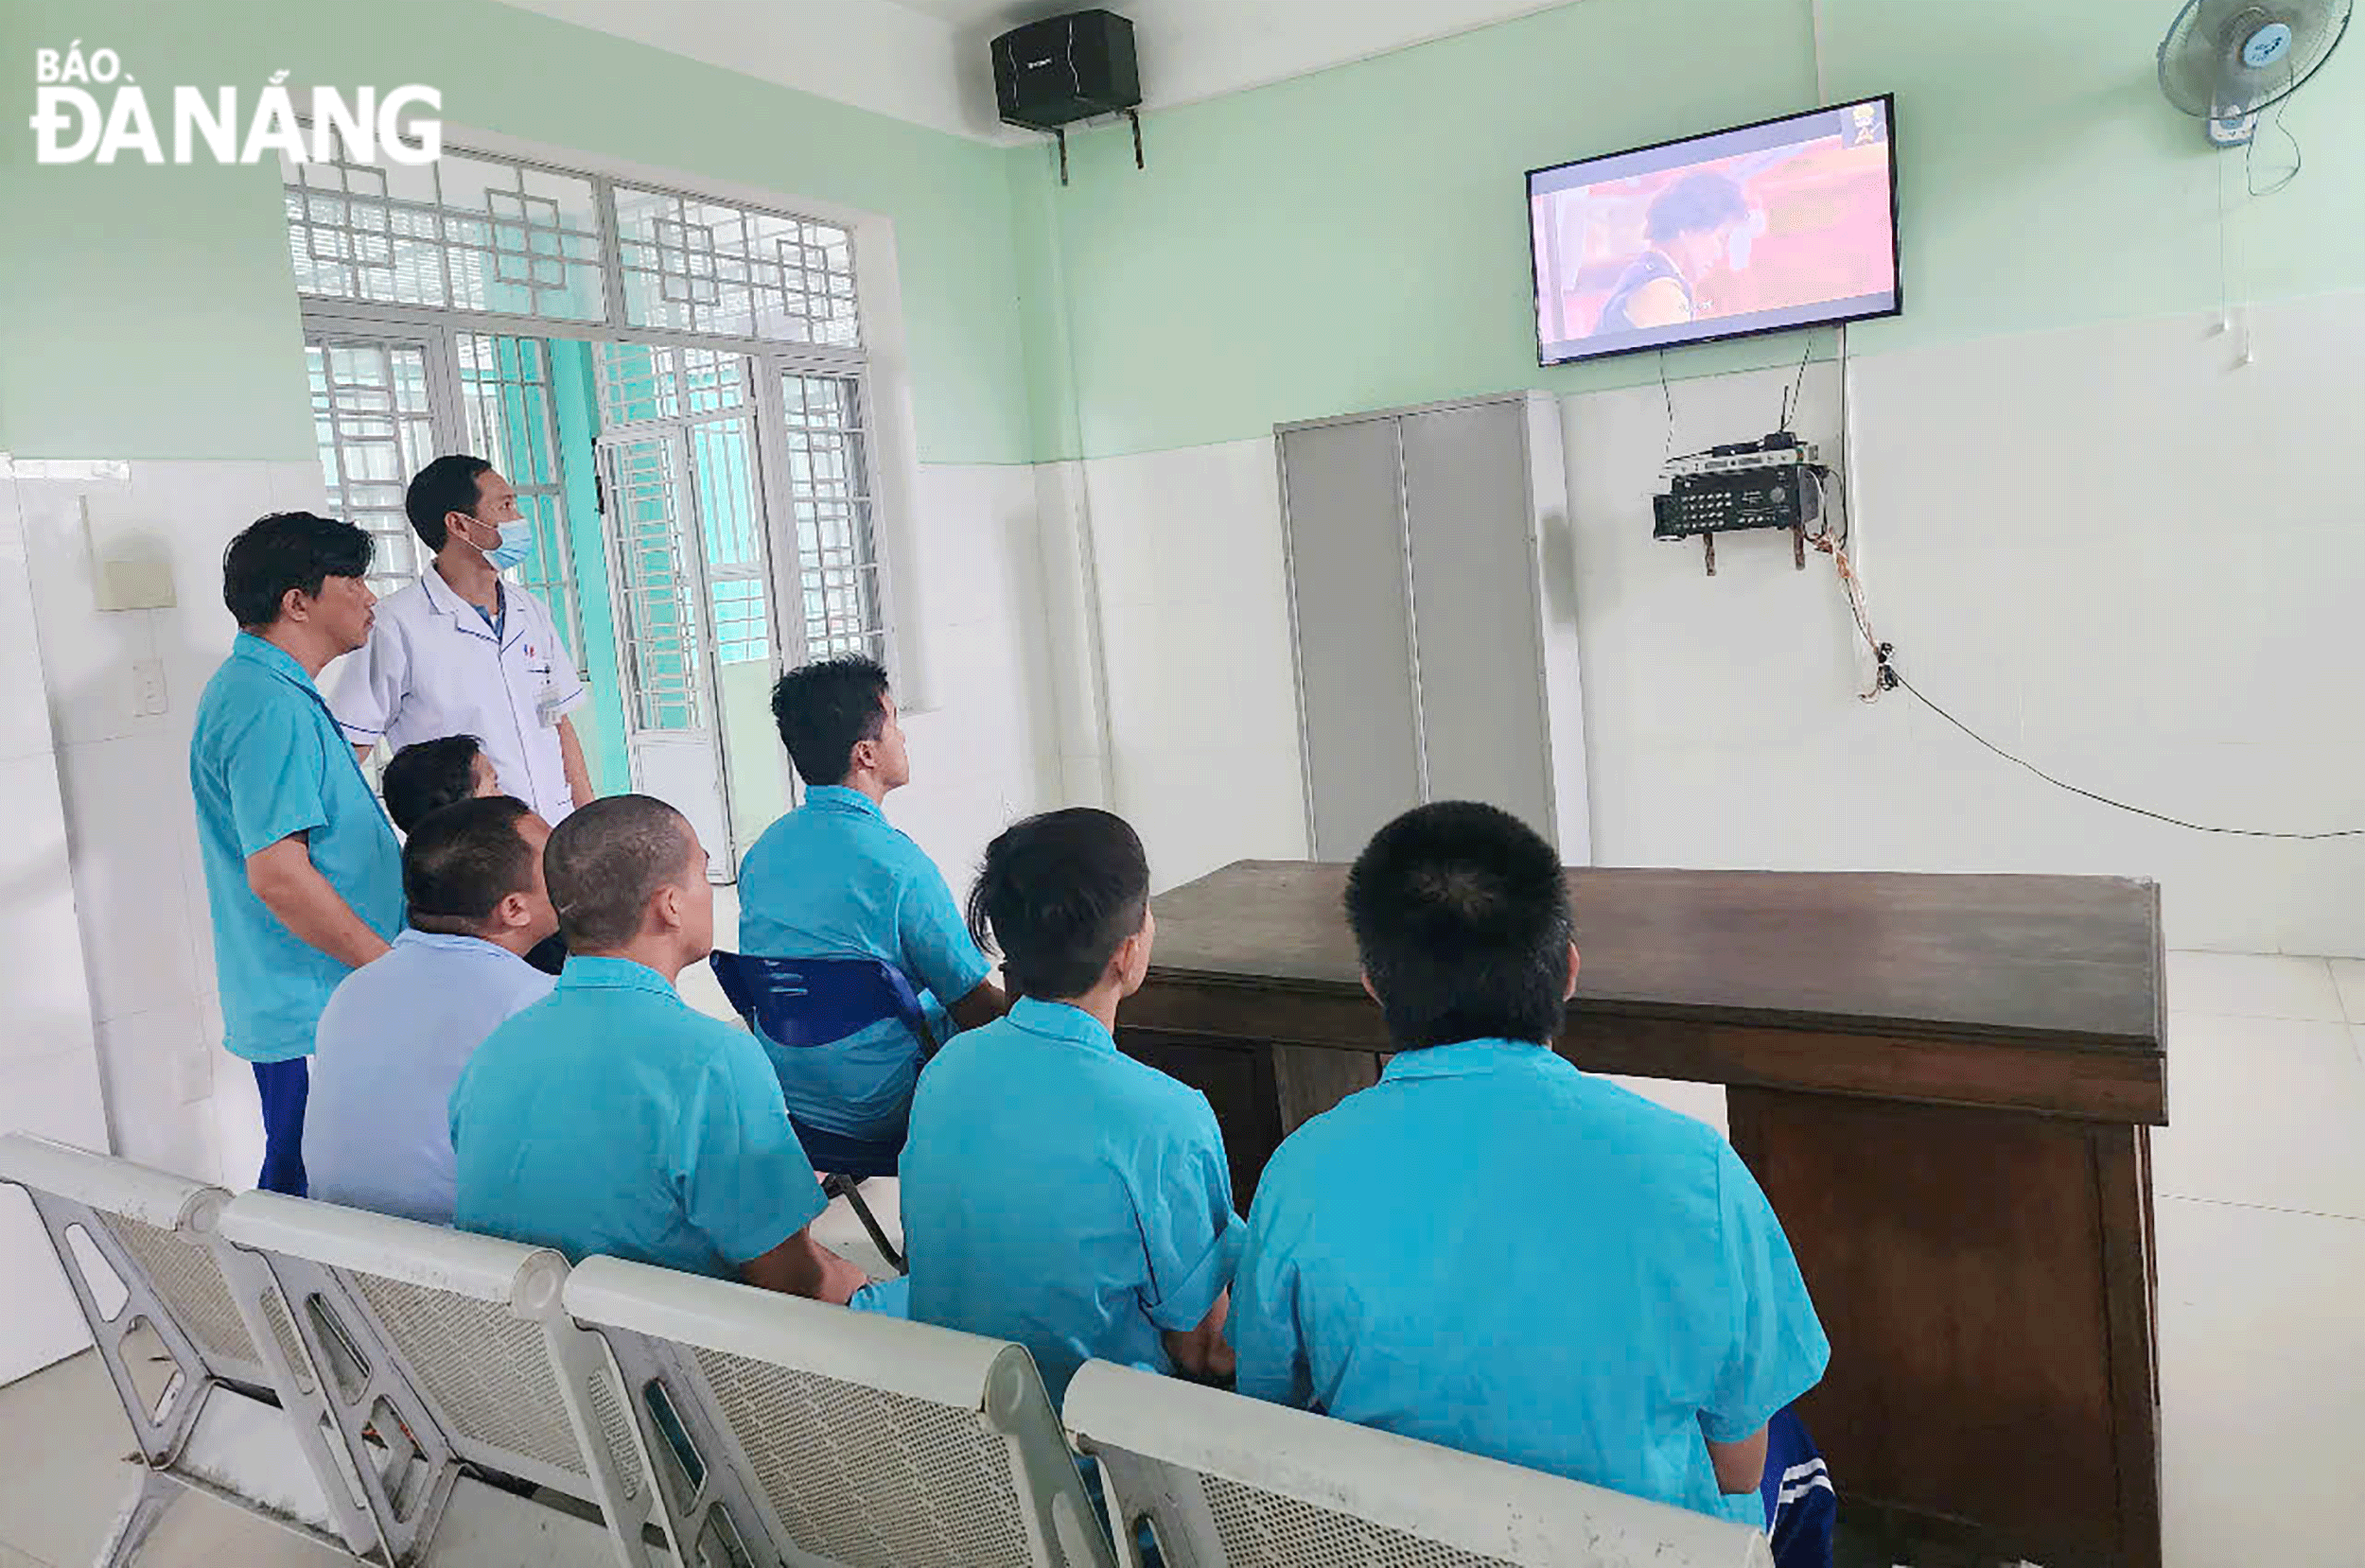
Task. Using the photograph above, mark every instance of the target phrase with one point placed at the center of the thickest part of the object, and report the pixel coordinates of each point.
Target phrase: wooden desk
(1945, 1085)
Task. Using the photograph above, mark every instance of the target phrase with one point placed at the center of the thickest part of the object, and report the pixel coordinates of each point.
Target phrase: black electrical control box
(1785, 496)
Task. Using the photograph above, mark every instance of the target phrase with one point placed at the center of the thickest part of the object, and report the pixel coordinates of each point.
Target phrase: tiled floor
(2261, 1184)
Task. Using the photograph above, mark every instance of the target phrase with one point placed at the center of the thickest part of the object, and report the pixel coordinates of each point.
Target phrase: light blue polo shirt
(1491, 1250)
(833, 879)
(1058, 1194)
(613, 1118)
(266, 760)
(392, 1040)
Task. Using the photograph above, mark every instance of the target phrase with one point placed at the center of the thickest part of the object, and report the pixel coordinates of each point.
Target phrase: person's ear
(295, 605)
(667, 906)
(1364, 975)
(1572, 973)
(513, 911)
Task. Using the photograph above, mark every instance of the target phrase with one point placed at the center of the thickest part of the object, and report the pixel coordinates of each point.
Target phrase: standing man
(302, 873)
(833, 879)
(462, 653)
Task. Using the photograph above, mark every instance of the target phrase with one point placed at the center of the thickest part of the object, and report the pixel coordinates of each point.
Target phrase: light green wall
(1350, 240)
(1357, 238)
(150, 312)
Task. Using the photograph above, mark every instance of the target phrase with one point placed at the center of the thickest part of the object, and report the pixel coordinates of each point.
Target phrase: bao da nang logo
(87, 107)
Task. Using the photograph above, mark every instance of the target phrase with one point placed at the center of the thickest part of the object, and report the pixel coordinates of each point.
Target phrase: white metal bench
(221, 1392)
(447, 1348)
(789, 1432)
(1226, 1482)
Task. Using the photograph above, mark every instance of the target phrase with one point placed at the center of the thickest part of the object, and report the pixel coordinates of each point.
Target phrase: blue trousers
(1800, 1506)
(285, 1087)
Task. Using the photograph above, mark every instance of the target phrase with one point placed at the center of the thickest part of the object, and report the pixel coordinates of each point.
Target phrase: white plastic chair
(789, 1432)
(234, 1408)
(447, 1348)
(1226, 1482)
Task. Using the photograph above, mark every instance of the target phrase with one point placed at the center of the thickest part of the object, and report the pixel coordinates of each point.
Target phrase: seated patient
(611, 1117)
(833, 880)
(1056, 1192)
(1493, 1250)
(428, 776)
(397, 1031)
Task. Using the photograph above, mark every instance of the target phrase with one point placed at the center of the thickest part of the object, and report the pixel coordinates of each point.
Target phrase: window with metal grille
(464, 232)
(457, 253)
(506, 395)
(374, 429)
(698, 265)
(829, 484)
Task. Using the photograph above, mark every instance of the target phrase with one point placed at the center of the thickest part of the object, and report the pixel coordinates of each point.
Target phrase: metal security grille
(464, 232)
(842, 1466)
(698, 265)
(506, 395)
(658, 583)
(828, 483)
(722, 451)
(1262, 1527)
(374, 425)
(641, 383)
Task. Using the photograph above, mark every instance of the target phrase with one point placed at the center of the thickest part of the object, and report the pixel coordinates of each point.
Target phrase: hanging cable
(2249, 152)
(1667, 447)
(1798, 385)
(1888, 677)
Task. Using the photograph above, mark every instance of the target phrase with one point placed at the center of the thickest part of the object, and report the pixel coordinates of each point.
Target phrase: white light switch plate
(147, 687)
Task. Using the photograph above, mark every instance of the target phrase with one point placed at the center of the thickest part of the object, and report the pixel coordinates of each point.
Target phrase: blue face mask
(516, 544)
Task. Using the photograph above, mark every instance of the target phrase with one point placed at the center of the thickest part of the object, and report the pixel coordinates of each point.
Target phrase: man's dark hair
(606, 860)
(426, 776)
(288, 550)
(1701, 201)
(825, 709)
(460, 862)
(443, 487)
(1460, 915)
(1058, 894)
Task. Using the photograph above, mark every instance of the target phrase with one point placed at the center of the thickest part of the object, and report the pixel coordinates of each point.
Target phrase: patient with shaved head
(613, 1118)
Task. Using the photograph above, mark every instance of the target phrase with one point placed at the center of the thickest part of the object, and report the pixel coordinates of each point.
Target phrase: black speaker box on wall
(1055, 72)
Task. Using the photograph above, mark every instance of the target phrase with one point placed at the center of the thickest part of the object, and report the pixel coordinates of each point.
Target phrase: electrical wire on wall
(1888, 677)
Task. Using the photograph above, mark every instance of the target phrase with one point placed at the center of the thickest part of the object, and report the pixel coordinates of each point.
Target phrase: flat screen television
(1786, 223)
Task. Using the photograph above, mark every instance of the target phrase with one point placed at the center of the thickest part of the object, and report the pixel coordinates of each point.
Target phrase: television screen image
(1785, 224)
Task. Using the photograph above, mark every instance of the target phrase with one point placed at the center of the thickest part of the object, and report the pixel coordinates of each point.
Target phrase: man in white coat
(459, 652)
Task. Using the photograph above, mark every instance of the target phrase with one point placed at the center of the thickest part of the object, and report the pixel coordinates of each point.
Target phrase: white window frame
(887, 448)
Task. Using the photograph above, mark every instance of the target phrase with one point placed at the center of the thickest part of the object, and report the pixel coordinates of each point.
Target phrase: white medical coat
(432, 668)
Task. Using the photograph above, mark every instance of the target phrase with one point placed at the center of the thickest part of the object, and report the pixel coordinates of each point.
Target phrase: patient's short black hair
(1058, 894)
(1460, 915)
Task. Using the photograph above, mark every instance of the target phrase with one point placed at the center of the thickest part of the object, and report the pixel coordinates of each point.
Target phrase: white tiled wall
(49, 1061)
(975, 650)
(2110, 549)
(147, 947)
(1194, 629)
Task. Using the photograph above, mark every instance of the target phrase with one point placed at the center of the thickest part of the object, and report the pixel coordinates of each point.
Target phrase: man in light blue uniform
(1057, 1192)
(303, 876)
(1490, 1249)
(398, 1033)
(833, 880)
(611, 1117)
